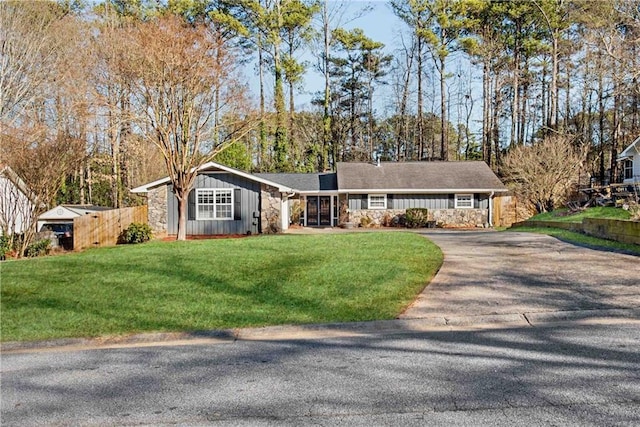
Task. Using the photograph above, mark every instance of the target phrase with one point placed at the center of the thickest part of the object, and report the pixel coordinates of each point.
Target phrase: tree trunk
(494, 120)
(123, 158)
(280, 146)
(326, 118)
(82, 185)
(567, 105)
(544, 120)
(294, 149)
(183, 202)
(420, 122)
(115, 172)
(515, 101)
(522, 113)
(402, 137)
(601, 117)
(553, 117)
(486, 107)
(262, 126)
(613, 172)
(444, 128)
(352, 117)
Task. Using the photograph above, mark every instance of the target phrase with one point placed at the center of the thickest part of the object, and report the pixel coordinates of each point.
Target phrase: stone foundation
(157, 203)
(376, 216)
(271, 203)
(460, 218)
(450, 218)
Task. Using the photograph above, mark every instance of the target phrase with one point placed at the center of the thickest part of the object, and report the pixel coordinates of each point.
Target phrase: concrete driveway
(508, 273)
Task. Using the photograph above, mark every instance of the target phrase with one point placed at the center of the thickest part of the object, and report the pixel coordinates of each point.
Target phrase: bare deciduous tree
(176, 71)
(27, 54)
(38, 107)
(40, 161)
(544, 173)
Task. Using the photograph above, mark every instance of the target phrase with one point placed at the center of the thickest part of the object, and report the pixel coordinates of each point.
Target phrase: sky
(379, 24)
(382, 25)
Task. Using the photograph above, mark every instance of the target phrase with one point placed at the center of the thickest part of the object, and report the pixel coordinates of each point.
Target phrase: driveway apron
(495, 273)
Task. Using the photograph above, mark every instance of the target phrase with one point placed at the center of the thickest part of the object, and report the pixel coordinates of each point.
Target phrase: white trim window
(214, 204)
(377, 201)
(628, 169)
(464, 201)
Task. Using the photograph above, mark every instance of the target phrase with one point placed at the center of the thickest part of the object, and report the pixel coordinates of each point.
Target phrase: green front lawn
(597, 212)
(215, 284)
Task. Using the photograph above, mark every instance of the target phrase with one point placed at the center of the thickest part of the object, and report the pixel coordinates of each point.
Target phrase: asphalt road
(561, 374)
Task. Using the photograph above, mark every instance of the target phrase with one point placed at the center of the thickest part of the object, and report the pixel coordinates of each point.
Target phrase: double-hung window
(377, 201)
(464, 201)
(214, 203)
(628, 169)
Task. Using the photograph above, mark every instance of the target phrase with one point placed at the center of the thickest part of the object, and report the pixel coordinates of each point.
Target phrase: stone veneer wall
(157, 203)
(462, 218)
(376, 215)
(271, 203)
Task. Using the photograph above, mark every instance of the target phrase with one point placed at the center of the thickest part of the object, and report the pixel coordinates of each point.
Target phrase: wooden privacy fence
(504, 211)
(508, 210)
(104, 228)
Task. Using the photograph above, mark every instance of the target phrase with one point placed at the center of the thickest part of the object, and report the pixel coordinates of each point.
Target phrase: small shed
(64, 214)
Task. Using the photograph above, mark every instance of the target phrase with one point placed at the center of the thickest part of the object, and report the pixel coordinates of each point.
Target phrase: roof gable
(65, 212)
(213, 166)
(8, 173)
(59, 212)
(474, 176)
(632, 150)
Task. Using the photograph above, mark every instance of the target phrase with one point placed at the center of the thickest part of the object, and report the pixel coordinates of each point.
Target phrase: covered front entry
(319, 211)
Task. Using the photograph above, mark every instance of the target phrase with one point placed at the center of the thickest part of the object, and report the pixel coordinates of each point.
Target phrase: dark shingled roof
(303, 181)
(436, 176)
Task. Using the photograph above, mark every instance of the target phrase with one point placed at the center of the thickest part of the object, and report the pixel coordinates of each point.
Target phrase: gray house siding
(249, 202)
(441, 209)
(408, 201)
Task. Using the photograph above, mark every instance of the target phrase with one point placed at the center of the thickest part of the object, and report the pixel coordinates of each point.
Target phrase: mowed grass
(215, 284)
(596, 212)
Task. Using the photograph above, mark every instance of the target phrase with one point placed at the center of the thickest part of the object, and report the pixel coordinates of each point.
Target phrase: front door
(318, 211)
(325, 210)
(312, 211)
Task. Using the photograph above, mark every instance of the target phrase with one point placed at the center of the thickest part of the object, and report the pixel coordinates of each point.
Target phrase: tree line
(99, 97)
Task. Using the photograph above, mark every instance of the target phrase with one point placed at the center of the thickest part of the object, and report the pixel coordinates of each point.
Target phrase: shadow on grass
(204, 285)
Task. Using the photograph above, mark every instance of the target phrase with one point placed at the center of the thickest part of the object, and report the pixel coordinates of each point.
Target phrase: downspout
(491, 208)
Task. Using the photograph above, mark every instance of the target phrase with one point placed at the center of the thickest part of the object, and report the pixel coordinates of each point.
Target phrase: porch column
(303, 200)
(284, 213)
(491, 197)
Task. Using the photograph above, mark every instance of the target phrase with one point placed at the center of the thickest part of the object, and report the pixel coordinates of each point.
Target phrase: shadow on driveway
(486, 273)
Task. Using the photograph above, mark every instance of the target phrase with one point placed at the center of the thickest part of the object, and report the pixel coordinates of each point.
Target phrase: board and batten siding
(249, 203)
(425, 201)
